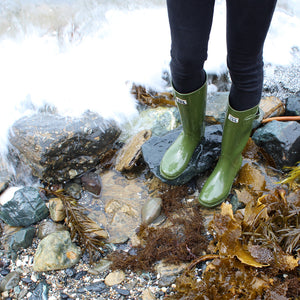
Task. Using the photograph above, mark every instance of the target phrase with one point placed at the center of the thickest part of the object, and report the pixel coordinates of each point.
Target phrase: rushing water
(84, 54)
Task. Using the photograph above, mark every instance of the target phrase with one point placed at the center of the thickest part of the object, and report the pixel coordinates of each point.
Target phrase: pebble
(114, 278)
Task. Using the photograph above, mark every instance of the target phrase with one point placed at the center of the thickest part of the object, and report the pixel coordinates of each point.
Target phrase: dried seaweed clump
(258, 253)
(89, 234)
(181, 239)
(151, 98)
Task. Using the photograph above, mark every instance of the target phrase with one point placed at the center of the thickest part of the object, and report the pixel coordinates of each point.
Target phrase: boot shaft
(192, 108)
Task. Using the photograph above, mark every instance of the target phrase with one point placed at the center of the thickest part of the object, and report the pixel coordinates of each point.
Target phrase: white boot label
(233, 119)
(181, 101)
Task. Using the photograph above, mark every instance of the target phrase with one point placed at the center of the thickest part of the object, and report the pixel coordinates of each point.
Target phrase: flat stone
(10, 281)
(22, 239)
(132, 151)
(202, 160)
(114, 278)
(271, 107)
(148, 295)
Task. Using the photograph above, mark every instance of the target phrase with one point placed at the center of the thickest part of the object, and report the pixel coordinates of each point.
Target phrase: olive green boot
(192, 112)
(236, 132)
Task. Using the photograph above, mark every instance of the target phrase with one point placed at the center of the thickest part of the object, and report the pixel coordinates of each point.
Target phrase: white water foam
(85, 55)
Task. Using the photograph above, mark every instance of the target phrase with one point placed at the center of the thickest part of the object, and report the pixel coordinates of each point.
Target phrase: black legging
(248, 22)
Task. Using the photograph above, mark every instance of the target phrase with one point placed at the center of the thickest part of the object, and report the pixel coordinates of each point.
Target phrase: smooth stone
(97, 287)
(56, 251)
(114, 278)
(123, 292)
(166, 280)
(47, 227)
(22, 239)
(281, 140)
(73, 189)
(151, 210)
(10, 281)
(40, 292)
(25, 208)
(91, 182)
(164, 269)
(100, 267)
(132, 151)
(202, 160)
(148, 295)
(56, 209)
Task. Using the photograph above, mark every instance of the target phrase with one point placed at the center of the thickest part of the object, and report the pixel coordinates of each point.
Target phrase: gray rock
(293, 105)
(97, 287)
(151, 210)
(10, 281)
(40, 292)
(56, 251)
(24, 209)
(216, 105)
(203, 158)
(59, 148)
(47, 227)
(281, 140)
(73, 189)
(22, 239)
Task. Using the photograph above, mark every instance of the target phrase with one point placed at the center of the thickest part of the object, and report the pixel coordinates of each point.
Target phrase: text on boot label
(233, 119)
(181, 101)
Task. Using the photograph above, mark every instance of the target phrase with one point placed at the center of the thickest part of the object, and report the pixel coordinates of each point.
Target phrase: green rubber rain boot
(236, 132)
(192, 112)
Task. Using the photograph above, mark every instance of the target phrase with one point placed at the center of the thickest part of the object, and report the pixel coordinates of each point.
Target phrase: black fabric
(247, 25)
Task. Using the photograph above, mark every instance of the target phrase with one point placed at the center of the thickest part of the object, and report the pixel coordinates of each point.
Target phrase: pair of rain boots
(236, 131)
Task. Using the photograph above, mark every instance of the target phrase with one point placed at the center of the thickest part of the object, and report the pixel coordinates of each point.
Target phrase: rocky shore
(94, 192)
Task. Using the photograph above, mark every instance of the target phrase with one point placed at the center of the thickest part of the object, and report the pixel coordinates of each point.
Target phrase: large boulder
(281, 140)
(60, 148)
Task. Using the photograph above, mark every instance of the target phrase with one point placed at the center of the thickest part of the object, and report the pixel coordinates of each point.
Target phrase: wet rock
(281, 140)
(216, 106)
(47, 227)
(22, 239)
(151, 210)
(118, 209)
(164, 269)
(114, 278)
(166, 280)
(132, 151)
(10, 281)
(251, 176)
(40, 292)
(56, 251)
(91, 182)
(102, 266)
(202, 160)
(123, 292)
(158, 120)
(56, 209)
(73, 189)
(271, 107)
(59, 148)
(24, 209)
(293, 105)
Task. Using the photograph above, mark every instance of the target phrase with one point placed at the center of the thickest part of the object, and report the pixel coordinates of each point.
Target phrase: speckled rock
(114, 278)
(56, 209)
(56, 251)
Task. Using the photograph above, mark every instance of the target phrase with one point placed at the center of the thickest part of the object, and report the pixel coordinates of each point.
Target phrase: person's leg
(190, 24)
(248, 22)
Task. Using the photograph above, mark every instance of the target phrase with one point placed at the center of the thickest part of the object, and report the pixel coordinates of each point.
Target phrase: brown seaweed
(89, 234)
